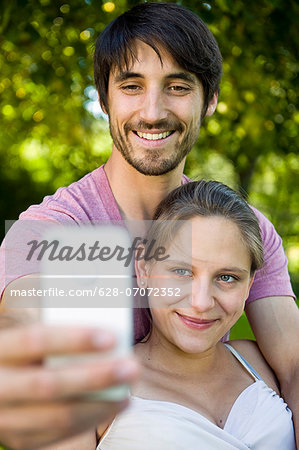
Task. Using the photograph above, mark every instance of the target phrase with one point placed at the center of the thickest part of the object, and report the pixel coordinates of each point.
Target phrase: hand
(40, 405)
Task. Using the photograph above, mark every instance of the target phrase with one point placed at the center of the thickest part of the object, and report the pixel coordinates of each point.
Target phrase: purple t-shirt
(91, 200)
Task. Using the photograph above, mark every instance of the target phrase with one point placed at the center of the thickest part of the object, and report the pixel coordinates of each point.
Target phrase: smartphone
(86, 279)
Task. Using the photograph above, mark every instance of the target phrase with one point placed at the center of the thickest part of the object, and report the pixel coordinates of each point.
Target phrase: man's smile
(153, 139)
(153, 136)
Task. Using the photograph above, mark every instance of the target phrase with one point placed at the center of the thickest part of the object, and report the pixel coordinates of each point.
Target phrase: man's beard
(153, 164)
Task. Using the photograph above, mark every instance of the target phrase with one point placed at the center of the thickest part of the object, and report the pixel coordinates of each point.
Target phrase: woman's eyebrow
(234, 269)
(188, 264)
(178, 262)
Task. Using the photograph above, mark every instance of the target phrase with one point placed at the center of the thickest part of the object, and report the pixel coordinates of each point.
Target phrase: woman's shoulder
(251, 352)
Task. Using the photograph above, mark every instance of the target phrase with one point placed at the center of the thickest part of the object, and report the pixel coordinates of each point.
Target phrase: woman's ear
(250, 284)
(141, 268)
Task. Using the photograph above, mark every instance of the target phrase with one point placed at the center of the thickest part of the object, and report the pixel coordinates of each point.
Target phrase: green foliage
(242, 330)
(49, 136)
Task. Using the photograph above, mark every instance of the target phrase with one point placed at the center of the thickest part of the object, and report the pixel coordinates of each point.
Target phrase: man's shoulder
(82, 188)
(85, 200)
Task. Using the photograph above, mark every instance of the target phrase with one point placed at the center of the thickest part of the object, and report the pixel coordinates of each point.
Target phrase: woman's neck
(162, 356)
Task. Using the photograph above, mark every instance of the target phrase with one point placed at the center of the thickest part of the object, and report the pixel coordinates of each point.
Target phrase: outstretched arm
(275, 323)
(40, 405)
(86, 441)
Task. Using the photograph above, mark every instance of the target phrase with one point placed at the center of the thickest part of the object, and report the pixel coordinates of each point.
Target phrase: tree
(51, 133)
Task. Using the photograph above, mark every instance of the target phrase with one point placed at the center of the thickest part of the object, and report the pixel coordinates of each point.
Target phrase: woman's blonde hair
(207, 199)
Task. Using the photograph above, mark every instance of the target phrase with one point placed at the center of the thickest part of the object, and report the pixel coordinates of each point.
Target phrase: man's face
(154, 111)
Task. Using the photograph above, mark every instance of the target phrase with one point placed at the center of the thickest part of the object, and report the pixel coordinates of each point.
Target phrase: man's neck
(138, 195)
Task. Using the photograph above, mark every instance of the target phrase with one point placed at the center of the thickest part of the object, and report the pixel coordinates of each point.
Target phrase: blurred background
(52, 131)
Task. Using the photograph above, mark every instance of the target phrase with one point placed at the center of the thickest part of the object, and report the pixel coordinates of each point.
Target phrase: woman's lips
(195, 323)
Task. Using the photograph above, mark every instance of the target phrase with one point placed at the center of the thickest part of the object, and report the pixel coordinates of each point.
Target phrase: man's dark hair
(177, 29)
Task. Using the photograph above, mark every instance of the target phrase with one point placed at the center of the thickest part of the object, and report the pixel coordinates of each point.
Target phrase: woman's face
(199, 291)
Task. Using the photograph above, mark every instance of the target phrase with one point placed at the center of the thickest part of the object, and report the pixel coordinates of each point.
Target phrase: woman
(196, 392)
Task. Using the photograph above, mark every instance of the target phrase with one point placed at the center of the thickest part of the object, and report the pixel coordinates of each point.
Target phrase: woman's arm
(102, 428)
(85, 441)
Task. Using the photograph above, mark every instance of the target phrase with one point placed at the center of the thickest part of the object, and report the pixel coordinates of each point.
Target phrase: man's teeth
(153, 137)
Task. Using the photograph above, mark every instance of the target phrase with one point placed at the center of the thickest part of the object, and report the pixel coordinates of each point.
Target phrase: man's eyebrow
(186, 76)
(125, 75)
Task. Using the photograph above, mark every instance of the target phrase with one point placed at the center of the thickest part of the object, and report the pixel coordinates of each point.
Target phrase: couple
(157, 72)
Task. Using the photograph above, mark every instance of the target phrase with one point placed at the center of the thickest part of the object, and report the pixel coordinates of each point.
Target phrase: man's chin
(152, 163)
(151, 169)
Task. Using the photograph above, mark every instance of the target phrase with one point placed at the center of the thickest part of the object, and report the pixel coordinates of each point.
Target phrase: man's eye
(131, 87)
(227, 278)
(182, 272)
(179, 88)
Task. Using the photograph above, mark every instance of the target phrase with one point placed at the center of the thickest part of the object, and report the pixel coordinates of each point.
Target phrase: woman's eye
(227, 278)
(182, 272)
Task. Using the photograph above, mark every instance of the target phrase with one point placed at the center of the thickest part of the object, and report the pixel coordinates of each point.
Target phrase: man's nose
(203, 298)
(153, 108)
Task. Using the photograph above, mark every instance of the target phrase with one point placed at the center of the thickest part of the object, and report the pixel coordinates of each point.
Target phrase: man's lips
(154, 135)
(153, 139)
(196, 323)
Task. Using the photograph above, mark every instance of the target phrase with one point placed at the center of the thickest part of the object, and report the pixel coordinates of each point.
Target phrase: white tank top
(259, 419)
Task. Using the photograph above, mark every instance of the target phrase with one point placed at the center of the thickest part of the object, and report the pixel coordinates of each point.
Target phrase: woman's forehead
(212, 239)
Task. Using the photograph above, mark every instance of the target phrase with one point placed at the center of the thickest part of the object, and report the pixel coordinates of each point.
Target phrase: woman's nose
(202, 296)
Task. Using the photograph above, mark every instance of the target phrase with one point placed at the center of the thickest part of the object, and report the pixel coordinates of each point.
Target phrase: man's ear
(104, 109)
(141, 268)
(212, 105)
(102, 105)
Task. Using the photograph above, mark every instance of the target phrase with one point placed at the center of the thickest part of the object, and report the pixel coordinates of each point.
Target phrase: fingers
(37, 384)
(40, 404)
(28, 344)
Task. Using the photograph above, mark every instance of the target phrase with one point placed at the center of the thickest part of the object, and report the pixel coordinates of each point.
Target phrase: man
(157, 71)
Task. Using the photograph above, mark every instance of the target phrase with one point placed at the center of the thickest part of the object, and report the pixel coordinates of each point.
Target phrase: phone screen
(87, 280)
